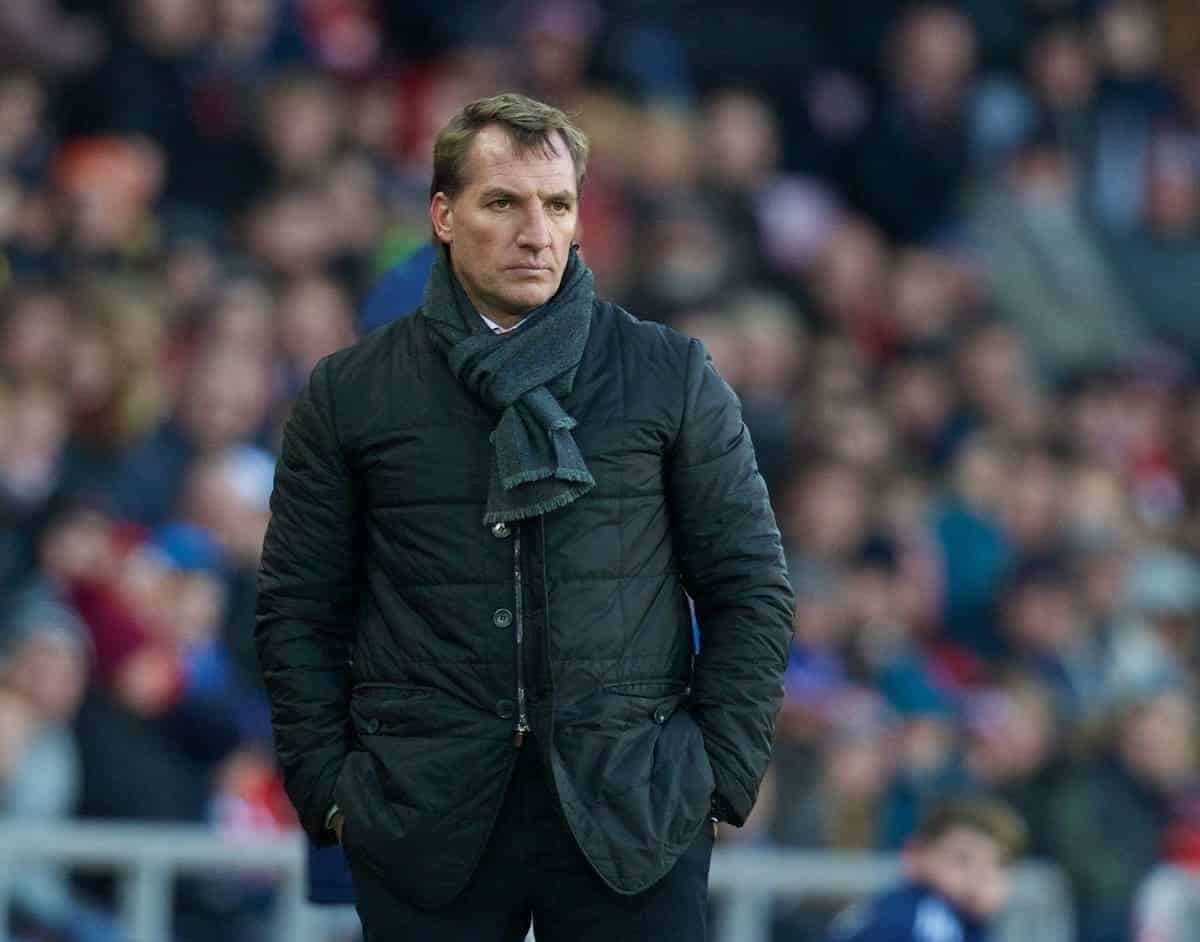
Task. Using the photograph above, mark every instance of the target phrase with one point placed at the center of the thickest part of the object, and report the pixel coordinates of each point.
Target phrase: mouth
(527, 269)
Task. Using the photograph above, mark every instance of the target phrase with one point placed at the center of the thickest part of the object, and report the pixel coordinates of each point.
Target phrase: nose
(535, 230)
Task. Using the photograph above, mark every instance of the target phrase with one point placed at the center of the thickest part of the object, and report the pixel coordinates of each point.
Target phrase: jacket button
(501, 530)
(504, 709)
(372, 726)
(662, 713)
(502, 618)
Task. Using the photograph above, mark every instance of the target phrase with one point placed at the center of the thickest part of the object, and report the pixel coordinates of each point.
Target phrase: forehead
(493, 160)
(967, 840)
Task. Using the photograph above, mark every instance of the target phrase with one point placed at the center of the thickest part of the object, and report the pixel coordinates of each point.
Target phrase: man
(472, 621)
(957, 878)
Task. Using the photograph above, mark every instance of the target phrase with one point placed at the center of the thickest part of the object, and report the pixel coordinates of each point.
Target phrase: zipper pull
(519, 735)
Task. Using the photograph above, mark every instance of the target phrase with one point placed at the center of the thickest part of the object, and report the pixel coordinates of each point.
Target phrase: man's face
(509, 229)
(967, 868)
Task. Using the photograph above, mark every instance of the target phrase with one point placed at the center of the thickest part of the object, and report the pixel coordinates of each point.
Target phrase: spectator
(1109, 820)
(44, 658)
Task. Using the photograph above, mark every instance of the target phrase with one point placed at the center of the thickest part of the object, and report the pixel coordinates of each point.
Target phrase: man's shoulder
(642, 336)
(376, 348)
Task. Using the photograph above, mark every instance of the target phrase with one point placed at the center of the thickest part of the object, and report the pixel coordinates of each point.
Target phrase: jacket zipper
(519, 635)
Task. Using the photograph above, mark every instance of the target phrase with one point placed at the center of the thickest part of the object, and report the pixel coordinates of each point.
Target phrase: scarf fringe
(533, 510)
(541, 474)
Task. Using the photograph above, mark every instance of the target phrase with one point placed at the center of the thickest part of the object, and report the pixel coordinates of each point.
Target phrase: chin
(527, 301)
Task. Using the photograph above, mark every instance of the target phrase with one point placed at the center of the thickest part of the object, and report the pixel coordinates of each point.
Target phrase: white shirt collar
(497, 329)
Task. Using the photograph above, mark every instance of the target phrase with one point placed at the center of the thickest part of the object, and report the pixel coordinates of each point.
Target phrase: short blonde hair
(987, 816)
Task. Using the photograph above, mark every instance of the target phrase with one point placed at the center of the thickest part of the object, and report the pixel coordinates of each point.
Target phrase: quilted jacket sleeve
(733, 567)
(306, 604)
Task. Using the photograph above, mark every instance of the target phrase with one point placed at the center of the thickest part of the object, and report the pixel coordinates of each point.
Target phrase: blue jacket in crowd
(912, 912)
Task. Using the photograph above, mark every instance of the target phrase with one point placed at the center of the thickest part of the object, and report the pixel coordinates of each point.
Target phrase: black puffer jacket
(400, 638)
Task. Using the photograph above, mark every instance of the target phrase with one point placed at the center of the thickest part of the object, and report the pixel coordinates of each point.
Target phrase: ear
(441, 214)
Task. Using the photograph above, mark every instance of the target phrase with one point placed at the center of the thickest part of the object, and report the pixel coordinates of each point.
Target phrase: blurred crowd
(948, 254)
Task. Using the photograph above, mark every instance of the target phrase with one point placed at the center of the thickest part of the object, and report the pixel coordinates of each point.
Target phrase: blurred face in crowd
(820, 619)
(924, 295)
(772, 343)
(993, 368)
(1173, 195)
(1157, 739)
(314, 320)
(242, 322)
(1062, 69)
(857, 766)
(375, 119)
(170, 26)
(926, 744)
(198, 600)
(686, 257)
(837, 375)
(38, 424)
(1012, 734)
(1095, 501)
(935, 54)
(301, 125)
(21, 101)
(981, 472)
(1043, 617)
(918, 398)
(76, 546)
(829, 511)
(743, 140)
(356, 207)
(93, 376)
(509, 230)
(213, 500)
(1033, 502)
(851, 274)
(226, 400)
(966, 867)
(291, 231)
(1100, 583)
(870, 595)
(49, 671)
(667, 156)
(36, 337)
(858, 434)
(1130, 38)
(245, 24)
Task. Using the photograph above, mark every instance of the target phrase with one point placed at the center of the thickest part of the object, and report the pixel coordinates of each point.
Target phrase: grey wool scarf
(536, 465)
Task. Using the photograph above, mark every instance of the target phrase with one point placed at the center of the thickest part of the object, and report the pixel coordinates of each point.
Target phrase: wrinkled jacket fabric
(387, 612)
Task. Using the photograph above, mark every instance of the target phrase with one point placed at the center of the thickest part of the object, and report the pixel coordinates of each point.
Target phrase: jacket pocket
(653, 688)
(382, 709)
(384, 689)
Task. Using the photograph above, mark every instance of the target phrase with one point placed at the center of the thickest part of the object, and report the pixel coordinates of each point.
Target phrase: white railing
(746, 881)
(147, 857)
(1167, 908)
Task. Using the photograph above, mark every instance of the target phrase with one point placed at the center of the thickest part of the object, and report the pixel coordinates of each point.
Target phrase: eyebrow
(497, 192)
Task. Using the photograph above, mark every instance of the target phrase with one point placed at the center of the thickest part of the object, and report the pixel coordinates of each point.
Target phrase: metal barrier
(749, 880)
(746, 881)
(148, 857)
(1167, 906)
